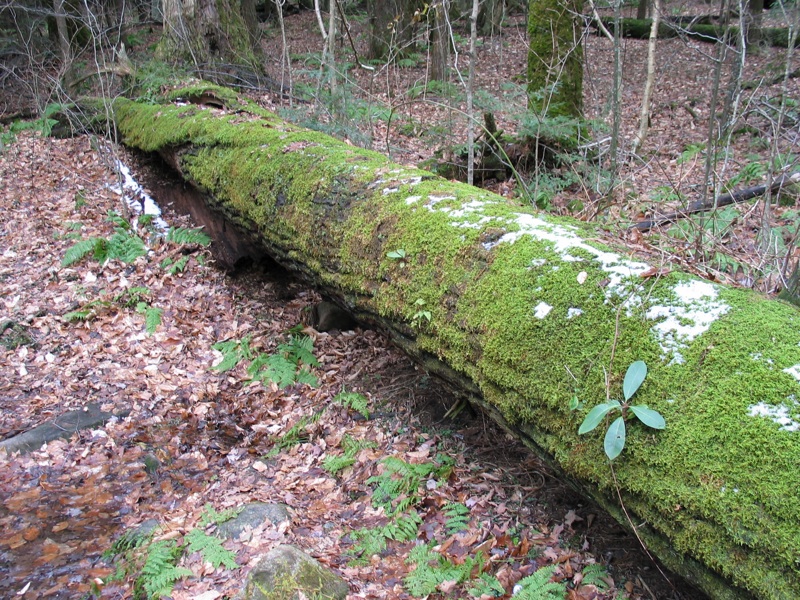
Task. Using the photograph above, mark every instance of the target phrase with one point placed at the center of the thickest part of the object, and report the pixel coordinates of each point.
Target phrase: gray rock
(285, 571)
(60, 427)
(253, 515)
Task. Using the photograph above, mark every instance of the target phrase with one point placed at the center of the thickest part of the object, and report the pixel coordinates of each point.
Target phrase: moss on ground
(533, 313)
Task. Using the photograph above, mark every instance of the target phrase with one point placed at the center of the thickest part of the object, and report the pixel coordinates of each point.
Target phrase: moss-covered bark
(528, 311)
(555, 57)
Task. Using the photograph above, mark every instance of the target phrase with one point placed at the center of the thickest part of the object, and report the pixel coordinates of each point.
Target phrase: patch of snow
(412, 199)
(794, 371)
(139, 201)
(574, 312)
(695, 311)
(538, 262)
(777, 414)
(542, 310)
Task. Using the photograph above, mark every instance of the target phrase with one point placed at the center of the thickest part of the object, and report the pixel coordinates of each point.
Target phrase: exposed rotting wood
(523, 311)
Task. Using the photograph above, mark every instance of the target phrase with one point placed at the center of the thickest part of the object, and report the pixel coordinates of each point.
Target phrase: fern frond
(457, 517)
(179, 266)
(353, 401)
(334, 464)
(159, 572)
(114, 217)
(595, 575)
(487, 585)
(211, 548)
(79, 251)
(183, 236)
(210, 515)
(125, 246)
(539, 587)
(233, 352)
(404, 528)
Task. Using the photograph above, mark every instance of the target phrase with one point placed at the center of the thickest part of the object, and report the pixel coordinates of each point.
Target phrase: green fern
(334, 464)
(87, 312)
(297, 434)
(595, 575)
(179, 266)
(117, 220)
(351, 447)
(80, 250)
(185, 236)
(211, 516)
(211, 548)
(401, 478)
(159, 572)
(125, 246)
(487, 585)
(368, 541)
(539, 587)
(273, 368)
(432, 569)
(233, 352)
(457, 517)
(403, 528)
(353, 401)
(152, 316)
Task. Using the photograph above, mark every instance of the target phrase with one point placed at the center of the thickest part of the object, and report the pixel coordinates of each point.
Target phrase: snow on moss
(690, 316)
(779, 414)
(542, 310)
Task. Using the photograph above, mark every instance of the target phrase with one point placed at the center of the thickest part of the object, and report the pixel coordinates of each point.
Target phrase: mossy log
(526, 311)
(704, 32)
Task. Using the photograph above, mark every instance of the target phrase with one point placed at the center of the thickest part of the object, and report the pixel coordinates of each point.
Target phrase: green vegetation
(350, 448)
(297, 434)
(289, 365)
(153, 564)
(44, 125)
(353, 401)
(614, 441)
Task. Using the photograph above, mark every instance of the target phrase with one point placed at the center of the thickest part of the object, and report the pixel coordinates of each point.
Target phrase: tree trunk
(555, 57)
(212, 35)
(490, 17)
(440, 42)
(527, 311)
(392, 24)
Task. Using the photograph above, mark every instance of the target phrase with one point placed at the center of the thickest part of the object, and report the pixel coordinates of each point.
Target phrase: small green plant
(233, 352)
(43, 125)
(351, 447)
(539, 587)
(398, 255)
(615, 434)
(296, 435)
(421, 314)
(487, 585)
(183, 236)
(211, 548)
(124, 245)
(457, 517)
(160, 571)
(431, 569)
(289, 365)
(353, 401)
(595, 575)
(397, 487)
(210, 516)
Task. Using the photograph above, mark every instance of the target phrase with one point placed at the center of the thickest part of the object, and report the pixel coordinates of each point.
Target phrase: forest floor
(194, 435)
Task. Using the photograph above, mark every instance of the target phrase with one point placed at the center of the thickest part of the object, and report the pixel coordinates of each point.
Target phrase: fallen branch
(724, 200)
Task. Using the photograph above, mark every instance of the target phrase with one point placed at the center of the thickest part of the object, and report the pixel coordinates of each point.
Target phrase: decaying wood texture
(523, 311)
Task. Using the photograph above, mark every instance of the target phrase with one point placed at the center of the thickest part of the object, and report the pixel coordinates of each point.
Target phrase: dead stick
(724, 200)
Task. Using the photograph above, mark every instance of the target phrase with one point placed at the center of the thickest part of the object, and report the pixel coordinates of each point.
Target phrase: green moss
(719, 484)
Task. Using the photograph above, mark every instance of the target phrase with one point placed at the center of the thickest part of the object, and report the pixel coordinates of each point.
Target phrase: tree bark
(527, 311)
(212, 35)
(555, 57)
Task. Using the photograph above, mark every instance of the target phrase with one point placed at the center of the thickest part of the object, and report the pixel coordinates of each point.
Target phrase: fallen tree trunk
(701, 31)
(733, 197)
(527, 310)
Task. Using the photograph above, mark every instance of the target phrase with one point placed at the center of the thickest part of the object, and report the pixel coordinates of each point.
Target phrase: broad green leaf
(596, 415)
(634, 378)
(648, 416)
(615, 438)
